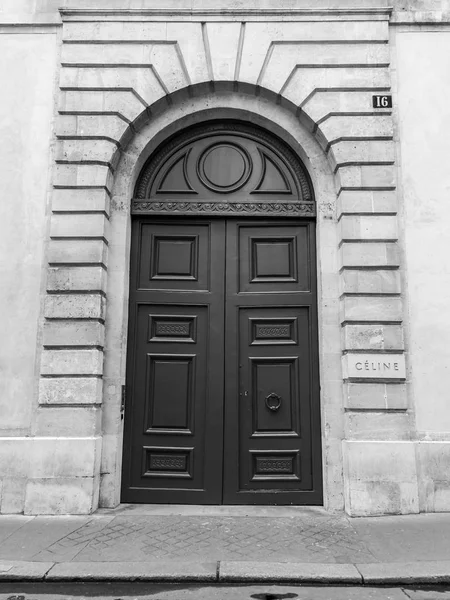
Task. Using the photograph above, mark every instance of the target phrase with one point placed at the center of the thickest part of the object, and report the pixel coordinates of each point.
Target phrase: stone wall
(121, 69)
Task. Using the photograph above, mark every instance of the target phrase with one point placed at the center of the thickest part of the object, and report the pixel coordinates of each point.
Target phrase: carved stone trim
(285, 209)
(155, 162)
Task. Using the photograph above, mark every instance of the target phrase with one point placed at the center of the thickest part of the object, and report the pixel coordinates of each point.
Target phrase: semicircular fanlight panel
(174, 179)
(273, 180)
(218, 170)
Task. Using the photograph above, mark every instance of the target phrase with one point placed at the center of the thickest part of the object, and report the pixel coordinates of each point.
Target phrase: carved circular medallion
(224, 167)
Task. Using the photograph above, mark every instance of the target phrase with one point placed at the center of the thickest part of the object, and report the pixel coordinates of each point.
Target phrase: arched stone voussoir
(184, 98)
(207, 88)
(209, 101)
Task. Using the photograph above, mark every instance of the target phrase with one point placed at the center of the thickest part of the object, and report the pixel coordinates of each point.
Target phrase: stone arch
(281, 121)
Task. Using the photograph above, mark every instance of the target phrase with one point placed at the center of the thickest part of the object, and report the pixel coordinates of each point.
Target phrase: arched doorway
(222, 366)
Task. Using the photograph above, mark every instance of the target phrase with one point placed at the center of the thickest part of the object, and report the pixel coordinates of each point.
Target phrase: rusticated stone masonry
(116, 64)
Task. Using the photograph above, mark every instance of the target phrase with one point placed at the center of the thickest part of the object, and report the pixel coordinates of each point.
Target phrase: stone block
(59, 457)
(375, 425)
(124, 102)
(141, 79)
(75, 306)
(379, 227)
(304, 83)
(368, 308)
(78, 421)
(72, 496)
(67, 390)
(65, 125)
(79, 225)
(106, 125)
(413, 573)
(223, 43)
(367, 201)
(189, 36)
(366, 176)
(162, 570)
(73, 175)
(380, 478)
(330, 102)
(108, 31)
(12, 495)
(76, 279)
(434, 475)
(372, 337)
(49, 457)
(361, 151)
(375, 396)
(23, 571)
(73, 333)
(358, 281)
(373, 366)
(79, 150)
(72, 362)
(281, 572)
(77, 252)
(371, 254)
(80, 200)
(354, 126)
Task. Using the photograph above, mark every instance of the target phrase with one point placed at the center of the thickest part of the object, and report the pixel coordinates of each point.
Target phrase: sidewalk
(226, 544)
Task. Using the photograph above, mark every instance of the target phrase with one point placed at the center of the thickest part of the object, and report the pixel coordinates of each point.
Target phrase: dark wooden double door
(222, 374)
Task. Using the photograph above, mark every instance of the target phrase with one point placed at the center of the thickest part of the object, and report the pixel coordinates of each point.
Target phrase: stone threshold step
(426, 572)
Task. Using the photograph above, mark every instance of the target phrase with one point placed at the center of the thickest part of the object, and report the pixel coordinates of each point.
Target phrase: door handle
(273, 401)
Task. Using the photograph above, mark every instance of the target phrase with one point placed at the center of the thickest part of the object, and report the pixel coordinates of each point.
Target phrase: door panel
(272, 431)
(174, 421)
(194, 310)
(174, 257)
(274, 259)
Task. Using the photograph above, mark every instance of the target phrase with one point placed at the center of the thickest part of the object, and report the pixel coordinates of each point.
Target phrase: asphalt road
(144, 591)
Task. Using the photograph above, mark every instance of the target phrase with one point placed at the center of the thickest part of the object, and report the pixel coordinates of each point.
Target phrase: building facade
(224, 254)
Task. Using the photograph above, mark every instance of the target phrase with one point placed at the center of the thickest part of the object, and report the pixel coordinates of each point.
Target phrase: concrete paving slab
(9, 524)
(230, 571)
(405, 538)
(405, 573)
(23, 570)
(37, 535)
(70, 545)
(134, 571)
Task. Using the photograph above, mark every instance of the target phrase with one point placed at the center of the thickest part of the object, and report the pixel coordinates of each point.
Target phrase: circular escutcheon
(224, 167)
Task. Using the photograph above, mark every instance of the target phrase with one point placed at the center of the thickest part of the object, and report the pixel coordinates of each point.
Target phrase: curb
(226, 572)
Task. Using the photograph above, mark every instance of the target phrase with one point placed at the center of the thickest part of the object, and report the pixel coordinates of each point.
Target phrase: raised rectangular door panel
(272, 417)
(171, 258)
(274, 259)
(174, 420)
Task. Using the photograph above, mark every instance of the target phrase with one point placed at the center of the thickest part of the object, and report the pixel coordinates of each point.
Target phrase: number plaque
(379, 101)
